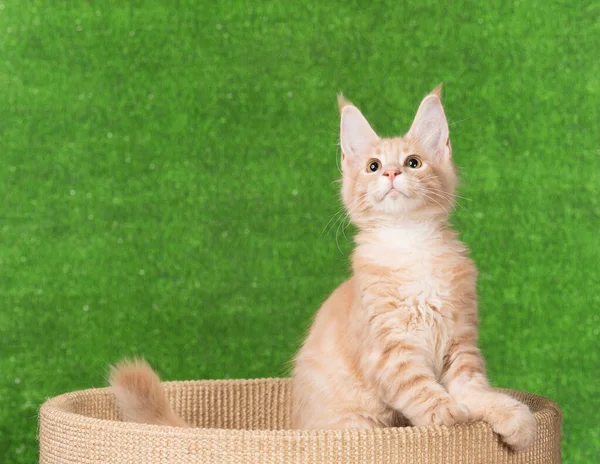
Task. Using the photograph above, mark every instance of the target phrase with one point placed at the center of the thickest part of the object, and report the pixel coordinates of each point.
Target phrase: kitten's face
(388, 180)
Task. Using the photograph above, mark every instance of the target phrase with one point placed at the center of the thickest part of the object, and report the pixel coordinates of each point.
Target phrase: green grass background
(167, 169)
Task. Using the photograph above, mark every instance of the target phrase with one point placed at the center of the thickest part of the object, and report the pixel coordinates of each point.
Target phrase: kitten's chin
(391, 209)
(396, 203)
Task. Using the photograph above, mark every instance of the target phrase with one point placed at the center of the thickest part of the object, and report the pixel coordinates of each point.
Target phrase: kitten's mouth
(394, 193)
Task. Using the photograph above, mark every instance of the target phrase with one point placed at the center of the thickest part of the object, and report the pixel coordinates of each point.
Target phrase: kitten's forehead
(394, 149)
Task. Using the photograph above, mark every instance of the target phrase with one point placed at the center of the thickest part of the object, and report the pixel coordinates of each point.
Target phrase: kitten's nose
(392, 173)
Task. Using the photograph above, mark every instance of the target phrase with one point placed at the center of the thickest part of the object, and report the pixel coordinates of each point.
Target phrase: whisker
(424, 191)
(442, 195)
(340, 211)
(449, 196)
(433, 199)
(461, 120)
(456, 203)
(339, 219)
(448, 193)
(338, 162)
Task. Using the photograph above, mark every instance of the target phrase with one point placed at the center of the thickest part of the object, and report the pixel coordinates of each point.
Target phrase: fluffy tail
(140, 396)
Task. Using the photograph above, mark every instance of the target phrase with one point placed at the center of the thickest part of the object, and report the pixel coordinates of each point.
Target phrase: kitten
(398, 340)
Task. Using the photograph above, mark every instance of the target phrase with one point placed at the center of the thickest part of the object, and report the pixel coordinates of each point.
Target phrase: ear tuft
(342, 101)
(437, 91)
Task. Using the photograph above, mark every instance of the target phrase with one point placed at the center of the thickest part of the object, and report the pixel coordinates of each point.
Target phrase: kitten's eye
(373, 165)
(413, 162)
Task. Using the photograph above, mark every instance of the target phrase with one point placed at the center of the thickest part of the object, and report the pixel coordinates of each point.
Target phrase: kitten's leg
(407, 383)
(465, 379)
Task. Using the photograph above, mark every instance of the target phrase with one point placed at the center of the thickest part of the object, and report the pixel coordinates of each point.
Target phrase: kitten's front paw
(449, 413)
(515, 424)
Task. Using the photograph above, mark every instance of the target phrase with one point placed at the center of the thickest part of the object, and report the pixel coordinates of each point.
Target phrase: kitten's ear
(356, 135)
(430, 126)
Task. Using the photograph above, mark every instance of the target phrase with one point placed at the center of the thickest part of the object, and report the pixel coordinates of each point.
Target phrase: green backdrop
(168, 169)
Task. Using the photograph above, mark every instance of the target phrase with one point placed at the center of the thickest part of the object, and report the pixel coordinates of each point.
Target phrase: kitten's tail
(140, 395)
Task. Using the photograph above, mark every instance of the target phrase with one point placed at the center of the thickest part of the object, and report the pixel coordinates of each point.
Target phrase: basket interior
(262, 404)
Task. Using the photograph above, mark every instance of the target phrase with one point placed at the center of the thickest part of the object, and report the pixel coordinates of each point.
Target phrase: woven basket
(245, 421)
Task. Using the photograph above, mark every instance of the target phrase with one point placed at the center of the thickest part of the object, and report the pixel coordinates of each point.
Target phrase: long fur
(397, 342)
(140, 395)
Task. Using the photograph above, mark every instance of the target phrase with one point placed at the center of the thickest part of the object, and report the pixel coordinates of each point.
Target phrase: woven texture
(247, 421)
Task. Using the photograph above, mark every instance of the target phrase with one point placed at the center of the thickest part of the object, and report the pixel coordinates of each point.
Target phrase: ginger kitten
(398, 340)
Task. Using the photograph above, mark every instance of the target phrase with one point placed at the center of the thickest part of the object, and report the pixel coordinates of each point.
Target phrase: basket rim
(53, 409)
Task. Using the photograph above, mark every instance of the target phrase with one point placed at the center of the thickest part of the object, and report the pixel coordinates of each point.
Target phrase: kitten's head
(387, 180)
